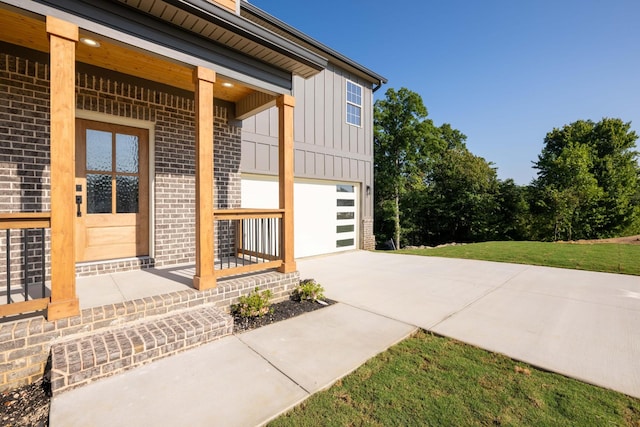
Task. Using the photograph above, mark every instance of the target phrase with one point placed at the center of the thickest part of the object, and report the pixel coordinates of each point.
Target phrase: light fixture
(90, 42)
(368, 190)
(227, 84)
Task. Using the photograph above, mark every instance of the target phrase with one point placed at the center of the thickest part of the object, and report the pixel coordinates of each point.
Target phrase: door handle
(79, 204)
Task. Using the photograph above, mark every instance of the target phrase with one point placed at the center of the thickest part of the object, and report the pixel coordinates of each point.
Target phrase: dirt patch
(629, 240)
(28, 406)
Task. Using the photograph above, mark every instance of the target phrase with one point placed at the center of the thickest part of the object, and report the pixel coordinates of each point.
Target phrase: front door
(112, 191)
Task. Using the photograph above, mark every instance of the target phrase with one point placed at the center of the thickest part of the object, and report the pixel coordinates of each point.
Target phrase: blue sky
(503, 72)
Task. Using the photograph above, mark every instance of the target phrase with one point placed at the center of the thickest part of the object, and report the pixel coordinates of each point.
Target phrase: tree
(403, 142)
(512, 218)
(461, 198)
(588, 180)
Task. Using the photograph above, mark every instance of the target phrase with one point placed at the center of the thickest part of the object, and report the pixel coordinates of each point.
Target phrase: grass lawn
(430, 380)
(606, 257)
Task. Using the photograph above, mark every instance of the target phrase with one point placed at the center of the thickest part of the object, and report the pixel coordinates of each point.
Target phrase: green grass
(427, 380)
(606, 257)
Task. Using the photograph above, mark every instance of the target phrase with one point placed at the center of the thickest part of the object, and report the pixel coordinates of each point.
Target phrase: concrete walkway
(585, 325)
(241, 380)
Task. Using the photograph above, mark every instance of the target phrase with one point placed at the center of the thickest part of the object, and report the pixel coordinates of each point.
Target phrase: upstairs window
(354, 104)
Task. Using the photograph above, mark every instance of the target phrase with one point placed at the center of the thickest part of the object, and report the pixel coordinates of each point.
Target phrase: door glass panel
(345, 215)
(126, 153)
(126, 194)
(98, 193)
(344, 242)
(98, 150)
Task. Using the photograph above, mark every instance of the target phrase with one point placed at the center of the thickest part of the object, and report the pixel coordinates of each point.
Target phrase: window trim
(346, 93)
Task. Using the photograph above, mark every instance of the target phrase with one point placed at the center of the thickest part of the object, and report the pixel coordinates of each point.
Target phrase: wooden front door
(112, 191)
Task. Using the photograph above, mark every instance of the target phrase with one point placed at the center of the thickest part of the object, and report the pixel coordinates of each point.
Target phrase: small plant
(308, 290)
(256, 304)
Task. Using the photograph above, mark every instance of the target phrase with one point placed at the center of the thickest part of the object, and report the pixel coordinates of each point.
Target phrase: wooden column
(204, 80)
(285, 105)
(63, 37)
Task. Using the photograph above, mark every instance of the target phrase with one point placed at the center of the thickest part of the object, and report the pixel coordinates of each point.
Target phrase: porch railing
(247, 240)
(24, 262)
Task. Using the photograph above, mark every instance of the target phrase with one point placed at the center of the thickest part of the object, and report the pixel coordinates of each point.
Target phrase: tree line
(430, 189)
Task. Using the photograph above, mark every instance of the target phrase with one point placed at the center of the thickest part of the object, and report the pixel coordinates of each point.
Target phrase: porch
(46, 238)
(126, 319)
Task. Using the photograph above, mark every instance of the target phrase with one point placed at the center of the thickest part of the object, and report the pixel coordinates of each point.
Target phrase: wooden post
(63, 37)
(285, 105)
(204, 80)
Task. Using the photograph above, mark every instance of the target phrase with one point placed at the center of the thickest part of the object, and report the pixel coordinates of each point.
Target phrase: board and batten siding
(326, 147)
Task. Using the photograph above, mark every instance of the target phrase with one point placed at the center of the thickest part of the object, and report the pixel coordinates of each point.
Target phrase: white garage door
(325, 214)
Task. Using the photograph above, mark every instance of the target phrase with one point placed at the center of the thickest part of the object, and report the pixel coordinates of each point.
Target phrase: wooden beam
(285, 105)
(25, 220)
(63, 37)
(23, 307)
(204, 80)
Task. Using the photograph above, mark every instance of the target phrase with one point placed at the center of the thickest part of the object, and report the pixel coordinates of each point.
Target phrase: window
(354, 103)
(340, 188)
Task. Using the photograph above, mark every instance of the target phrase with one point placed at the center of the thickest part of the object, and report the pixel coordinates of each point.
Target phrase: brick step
(86, 358)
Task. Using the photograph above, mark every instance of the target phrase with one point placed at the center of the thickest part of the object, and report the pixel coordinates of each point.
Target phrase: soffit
(200, 25)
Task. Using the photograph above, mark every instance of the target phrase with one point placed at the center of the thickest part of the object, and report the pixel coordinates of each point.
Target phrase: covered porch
(253, 240)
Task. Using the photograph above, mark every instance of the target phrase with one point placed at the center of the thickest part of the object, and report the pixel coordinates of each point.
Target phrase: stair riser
(81, 361)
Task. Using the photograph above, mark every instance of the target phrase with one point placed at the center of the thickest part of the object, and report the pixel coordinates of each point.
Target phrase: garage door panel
(325, 214)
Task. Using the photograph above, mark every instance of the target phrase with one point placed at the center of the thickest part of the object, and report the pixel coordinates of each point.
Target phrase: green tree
(461, 198)
(588, 180)
(404, 140)
(512, 218)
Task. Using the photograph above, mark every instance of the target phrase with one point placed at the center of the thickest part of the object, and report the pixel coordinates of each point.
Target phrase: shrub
(256, 304)
(308, 290)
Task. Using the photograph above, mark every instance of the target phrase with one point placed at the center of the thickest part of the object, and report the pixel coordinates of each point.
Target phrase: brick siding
(25, 159)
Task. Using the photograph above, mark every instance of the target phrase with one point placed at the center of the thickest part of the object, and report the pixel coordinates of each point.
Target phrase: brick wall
(24, 155)
(24, 135)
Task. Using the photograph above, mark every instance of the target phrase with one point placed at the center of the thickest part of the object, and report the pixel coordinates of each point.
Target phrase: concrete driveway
(582, 324)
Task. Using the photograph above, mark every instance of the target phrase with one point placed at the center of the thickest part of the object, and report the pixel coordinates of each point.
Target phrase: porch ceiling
(30, 32)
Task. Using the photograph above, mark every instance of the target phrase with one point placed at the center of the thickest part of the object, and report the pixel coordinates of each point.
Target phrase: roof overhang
(281, 28)
(194, 32)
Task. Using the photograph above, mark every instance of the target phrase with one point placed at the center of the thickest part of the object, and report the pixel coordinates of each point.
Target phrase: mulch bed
(28, 406)
(281, 311)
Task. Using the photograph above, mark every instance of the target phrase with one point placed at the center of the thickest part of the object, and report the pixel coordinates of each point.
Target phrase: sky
(503, 72)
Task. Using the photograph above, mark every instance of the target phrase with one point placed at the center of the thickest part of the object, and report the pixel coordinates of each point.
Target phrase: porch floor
(111, 288)
(96, 291)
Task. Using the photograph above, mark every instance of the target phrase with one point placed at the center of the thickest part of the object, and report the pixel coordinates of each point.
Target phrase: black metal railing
(247, 240)
(27, 267)
(25, 264)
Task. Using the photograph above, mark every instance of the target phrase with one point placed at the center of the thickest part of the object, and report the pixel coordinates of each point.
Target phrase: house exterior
(152, 133)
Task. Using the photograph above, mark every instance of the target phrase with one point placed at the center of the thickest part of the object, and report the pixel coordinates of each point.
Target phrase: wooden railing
(33, 261)
(247, 240)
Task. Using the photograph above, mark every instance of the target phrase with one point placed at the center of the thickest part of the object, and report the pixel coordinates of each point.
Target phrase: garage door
(325, 213)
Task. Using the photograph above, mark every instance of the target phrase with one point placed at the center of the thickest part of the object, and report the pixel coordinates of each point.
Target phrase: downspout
(378, 86)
